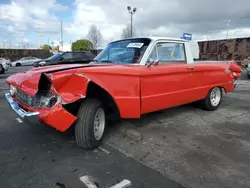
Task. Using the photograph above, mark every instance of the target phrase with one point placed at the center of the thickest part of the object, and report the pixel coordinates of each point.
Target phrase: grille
(36, 101)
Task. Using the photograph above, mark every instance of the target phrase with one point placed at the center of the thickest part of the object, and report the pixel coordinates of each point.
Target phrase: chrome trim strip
(15, 106)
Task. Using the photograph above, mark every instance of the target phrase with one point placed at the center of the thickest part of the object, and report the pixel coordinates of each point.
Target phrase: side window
(67, 56)
(169, 52)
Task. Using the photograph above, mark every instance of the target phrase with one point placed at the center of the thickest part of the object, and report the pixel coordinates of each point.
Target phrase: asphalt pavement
(38, 156)
(184, 144)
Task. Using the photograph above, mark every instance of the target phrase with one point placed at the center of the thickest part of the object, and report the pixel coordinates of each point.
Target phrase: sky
(36, 22)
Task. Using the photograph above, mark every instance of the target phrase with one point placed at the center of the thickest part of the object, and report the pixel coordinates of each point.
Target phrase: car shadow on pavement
(120, 126)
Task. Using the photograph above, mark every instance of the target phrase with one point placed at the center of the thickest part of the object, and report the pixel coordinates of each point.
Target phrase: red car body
(55, 95)
(132, 87)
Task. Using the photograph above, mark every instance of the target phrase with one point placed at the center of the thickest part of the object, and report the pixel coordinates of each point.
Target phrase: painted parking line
(104, 150)
(19, 120)
(123, 184)
(88, 181)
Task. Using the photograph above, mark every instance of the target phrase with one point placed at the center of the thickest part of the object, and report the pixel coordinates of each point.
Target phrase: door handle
(190, 68)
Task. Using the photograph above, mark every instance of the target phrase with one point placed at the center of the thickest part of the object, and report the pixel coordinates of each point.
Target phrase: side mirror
(150, 62)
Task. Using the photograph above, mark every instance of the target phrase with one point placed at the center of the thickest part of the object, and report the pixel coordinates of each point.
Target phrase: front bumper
(57, 117)
(30, 117)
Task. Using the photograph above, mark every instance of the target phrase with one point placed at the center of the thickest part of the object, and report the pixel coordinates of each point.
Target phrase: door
(81, 57)
(26, 61)
(66, 58)
(30, 61)
(77, 57)
(170, 83)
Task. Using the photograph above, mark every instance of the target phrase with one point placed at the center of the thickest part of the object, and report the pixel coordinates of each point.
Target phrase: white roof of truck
(156, 38)
(166, 38)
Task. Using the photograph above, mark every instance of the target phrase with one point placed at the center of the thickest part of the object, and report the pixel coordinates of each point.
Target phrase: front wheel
(1, 69)
(213, 99)
(90, 124)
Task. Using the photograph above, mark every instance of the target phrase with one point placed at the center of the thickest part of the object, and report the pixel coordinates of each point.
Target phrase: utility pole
(40, 38)
(131, 12)
(228, 25)
(61, 35)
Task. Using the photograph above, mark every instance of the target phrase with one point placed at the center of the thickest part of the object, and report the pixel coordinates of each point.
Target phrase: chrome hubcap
(215, 96)
(99, 123)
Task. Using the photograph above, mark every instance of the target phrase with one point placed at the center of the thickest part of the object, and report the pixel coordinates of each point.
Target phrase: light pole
(228, 25)
(131, 12)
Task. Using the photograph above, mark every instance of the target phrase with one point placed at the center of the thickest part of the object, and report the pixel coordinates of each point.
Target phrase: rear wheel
(90, 124)
(213, 99)
(18, 64)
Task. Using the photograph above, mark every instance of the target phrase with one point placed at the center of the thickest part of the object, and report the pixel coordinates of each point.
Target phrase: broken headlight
(51, 101)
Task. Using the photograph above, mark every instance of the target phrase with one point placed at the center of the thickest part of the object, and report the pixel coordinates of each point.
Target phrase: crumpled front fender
(70, 87)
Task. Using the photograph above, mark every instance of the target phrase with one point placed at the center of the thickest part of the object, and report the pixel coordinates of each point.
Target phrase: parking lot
(181, 147)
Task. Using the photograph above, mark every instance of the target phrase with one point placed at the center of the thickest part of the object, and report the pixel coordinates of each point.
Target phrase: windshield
(55, 56)
(128, 51)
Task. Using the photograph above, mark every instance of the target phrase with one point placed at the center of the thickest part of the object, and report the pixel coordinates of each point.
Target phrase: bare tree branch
(95, 36)
(126, 33)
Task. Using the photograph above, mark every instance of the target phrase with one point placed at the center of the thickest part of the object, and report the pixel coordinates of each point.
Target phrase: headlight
(51, 101)
(12, 90)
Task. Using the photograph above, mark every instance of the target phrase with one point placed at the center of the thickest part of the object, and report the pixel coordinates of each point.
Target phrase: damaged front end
(55, 91)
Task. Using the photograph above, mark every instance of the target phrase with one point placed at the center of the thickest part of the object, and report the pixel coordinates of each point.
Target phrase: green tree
(46, 47)
(82, 44)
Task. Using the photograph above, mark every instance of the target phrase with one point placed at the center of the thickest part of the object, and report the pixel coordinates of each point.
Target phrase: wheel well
(95, 91)
(222, 89)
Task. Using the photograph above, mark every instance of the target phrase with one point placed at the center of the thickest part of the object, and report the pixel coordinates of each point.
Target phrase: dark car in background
(82, 57)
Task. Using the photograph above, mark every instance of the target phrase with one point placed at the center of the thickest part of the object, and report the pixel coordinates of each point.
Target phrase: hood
(28, 81)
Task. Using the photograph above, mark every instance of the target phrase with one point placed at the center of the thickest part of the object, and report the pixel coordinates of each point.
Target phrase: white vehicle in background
(4, 65)
(25, 61)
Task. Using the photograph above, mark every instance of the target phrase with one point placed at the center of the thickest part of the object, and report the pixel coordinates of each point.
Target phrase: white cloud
(162, 18)
(85, 15)
(158, 18)
(23, 16)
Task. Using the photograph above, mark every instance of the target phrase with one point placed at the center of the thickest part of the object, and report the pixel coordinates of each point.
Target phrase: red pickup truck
(129, 78)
